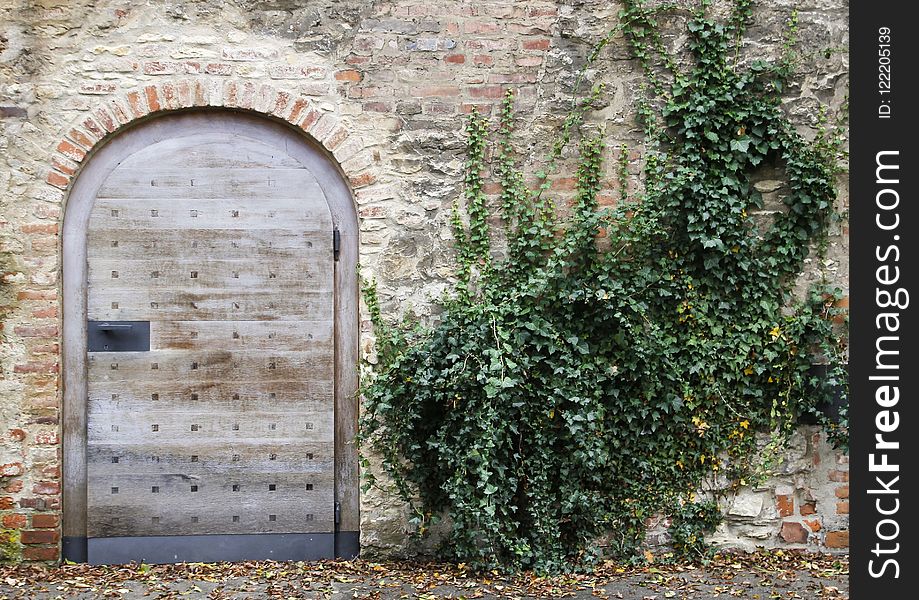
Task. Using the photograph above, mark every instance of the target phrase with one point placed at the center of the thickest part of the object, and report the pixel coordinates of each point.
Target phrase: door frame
(74, 276)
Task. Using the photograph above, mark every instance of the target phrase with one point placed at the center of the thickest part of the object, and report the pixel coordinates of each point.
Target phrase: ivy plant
(598, 366)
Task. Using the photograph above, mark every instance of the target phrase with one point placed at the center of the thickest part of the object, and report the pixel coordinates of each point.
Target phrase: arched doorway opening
(210, 346)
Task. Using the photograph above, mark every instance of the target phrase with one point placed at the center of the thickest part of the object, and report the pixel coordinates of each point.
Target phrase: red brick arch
(118, 111)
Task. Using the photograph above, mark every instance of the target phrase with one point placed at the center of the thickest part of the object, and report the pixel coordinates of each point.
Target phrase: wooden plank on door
(190, 184)
(295, 245)
(249, 335)
(227, 396)
(215, 304)
(220, 212)
(138, 368)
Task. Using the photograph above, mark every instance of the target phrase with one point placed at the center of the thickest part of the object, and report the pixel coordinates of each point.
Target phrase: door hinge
(338, 513)
(336, 243)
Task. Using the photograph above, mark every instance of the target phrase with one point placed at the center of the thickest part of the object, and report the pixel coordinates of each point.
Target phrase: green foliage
(604, 364)
(687, 528)
(10, 548)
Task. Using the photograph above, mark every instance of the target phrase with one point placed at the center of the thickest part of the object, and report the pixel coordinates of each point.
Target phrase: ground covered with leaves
(765, 575)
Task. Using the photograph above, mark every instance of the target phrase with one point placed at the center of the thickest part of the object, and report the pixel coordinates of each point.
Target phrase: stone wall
(384, 85)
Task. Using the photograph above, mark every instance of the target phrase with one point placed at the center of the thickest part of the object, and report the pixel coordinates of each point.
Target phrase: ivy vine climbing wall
(596, 366)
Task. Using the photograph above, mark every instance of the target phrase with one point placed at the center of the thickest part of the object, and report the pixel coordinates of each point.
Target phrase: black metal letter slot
(118, 336)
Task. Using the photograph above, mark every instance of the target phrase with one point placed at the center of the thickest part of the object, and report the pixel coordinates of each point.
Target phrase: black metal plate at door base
(118, 336)
(210, 548)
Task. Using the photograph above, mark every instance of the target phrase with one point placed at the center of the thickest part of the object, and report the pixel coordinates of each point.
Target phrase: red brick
(46, 349)
(40, 536)
(354, 59)
(362, 180)
(376, 106)
(281, 100)
(310, 119)
(230, 94)
(842, 303)
(81, 138)
(793, 533)
(336, 138)
(58, 180)
(297, 109)
(438, 91)
(120, 112)
(94, 127)
(36, 367)
(34, 553)
(218, 69)
(542, 11)
(46, 488)
(47, 331)
(482, 109)
(200, 94)
(480, 27)
(14, 521)
(487, 91)
(48, 228)
(372, 212)
(837, 539)
(842, 508)
(33, 503)
(157, 67)
(839, 476)
(46, 438)
(170, 99)
(455, 59)
(606, 200)
(45, 313)
(105, 119)
(842, 491)
(6, 503)
(63, 165)
(71, 151)
(492, 188)
(808, 508)
(814, 525)
(536, 44)
(17, 435)
(482, 59)
(97, 88)
(43, 244)
(785, 504)
(348, 75)
(364, 91)
(247, 97)
(529, 61)
(136, 104)
(14, 486)
(565, 184)
(11, 469)
(45, 521)
(37, 295)
(528, 30)
(153, 100)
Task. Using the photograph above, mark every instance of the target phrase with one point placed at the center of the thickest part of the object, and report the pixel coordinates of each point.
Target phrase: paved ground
(760, 576)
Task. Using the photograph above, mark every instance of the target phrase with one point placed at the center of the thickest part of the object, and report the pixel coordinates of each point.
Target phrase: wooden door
(216, 442)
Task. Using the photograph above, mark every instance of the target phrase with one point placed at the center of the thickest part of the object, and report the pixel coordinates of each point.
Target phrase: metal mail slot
(118, 336)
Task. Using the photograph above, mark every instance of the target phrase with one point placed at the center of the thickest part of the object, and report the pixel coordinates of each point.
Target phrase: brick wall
(385, 86)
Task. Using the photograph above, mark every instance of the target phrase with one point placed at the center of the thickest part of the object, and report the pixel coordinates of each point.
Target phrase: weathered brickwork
(384, 87)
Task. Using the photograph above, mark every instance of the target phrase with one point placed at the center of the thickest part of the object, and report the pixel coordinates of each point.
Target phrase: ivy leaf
(741, 145)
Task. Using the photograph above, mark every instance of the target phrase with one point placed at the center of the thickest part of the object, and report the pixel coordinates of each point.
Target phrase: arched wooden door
(208, 310)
